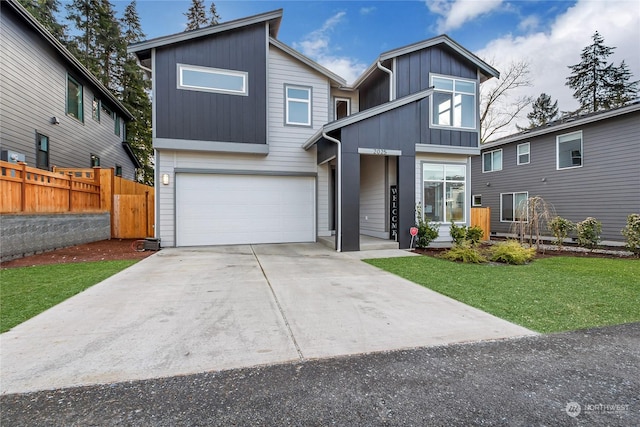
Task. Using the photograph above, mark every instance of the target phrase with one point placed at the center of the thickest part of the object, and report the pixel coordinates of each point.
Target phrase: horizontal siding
(373, 203)
(33, 86)
(606, 187)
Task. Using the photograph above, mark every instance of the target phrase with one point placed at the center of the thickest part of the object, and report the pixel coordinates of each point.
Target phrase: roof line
(40, 29)
(311, 63)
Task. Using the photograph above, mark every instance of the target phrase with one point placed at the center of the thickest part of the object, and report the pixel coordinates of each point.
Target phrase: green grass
(548, 295)
(28, 291)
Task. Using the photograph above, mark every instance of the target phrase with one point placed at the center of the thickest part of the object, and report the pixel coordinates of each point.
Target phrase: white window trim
(445, 181)
(235, 73)
(558, 151)
(473, 200)
(335, 106)
(518, 154)
(513, 193)
(490, 152)
(286, 105)
(475, 96)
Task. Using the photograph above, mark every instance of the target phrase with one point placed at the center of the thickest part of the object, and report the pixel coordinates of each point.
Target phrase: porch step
(367, 243)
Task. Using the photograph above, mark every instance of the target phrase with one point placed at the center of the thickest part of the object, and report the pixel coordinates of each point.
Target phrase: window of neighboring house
(118, 170)
(42, 151)
(298, 105)
(95, 109)
(74, 99)
(342, 108)
(443, 192)
(232, 82)
(569, 150)
(453, 102)
(117, 126)
(492, 161)
(95, 161)
(513, 206)
(476, 200)
(524, 153)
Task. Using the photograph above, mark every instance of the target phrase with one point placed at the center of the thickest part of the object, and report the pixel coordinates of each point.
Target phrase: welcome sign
(394, 212)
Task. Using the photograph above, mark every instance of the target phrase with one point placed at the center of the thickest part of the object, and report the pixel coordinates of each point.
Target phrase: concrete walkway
(190, 310)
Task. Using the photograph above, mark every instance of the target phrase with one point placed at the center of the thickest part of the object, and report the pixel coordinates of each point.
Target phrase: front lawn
(548, 295)
(27, 291)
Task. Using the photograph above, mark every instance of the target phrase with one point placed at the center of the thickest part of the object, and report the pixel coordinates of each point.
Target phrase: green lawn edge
(548, 295)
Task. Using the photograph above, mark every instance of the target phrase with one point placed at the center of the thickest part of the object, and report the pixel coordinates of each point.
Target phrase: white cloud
(549, 53)
(316, 45)
(457, 12)
(367, 10)
(530, 23)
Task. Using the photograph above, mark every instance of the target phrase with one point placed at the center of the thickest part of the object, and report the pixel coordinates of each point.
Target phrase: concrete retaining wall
(22, 235)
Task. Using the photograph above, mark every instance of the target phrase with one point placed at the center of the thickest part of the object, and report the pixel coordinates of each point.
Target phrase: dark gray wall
(22, 235)
(607, 187)
(326, 150)
(375, 90)
(206, 116)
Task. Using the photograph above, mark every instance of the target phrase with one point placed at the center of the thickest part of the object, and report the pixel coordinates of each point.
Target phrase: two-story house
(256, 143)
(584, 166)
(53, 111)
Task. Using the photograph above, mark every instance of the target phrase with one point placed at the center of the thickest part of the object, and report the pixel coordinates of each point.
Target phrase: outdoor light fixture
(55, 121)
(488, 184)
(165, 179)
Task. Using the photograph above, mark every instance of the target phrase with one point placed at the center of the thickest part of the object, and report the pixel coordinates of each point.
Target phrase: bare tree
(498, 107)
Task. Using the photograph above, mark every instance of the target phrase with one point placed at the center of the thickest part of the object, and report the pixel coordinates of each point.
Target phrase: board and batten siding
(606, 187)
(33, 80)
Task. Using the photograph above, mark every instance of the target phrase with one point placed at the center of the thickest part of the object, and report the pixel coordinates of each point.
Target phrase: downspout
(388, 71)
(339, 158)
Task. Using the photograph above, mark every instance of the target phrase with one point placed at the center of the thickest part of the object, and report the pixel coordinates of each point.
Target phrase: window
(74, 99)
(95, 161)
(42, 151)
(117, 126)
(492, 161)
(569, 150)
(444, 192)
(298, 105)
(95, 109)
(523, 153)
(513, 207)
(453, 102)
(342, 108)
(118, 170)
(476, 200)
(192, 77)
(107, 110)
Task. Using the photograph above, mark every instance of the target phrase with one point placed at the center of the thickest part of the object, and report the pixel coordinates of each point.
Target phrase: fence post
(23, 188)
(70, 191)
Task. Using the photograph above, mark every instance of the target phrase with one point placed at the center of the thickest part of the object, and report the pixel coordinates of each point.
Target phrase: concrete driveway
(190, 310)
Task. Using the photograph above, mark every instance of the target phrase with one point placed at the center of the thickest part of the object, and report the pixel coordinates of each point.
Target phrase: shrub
(631, 232)
(427, 231)
(511, 252)
(560, 227)
(474, 234)
(464, 252)
(589, 232)
(461, 233)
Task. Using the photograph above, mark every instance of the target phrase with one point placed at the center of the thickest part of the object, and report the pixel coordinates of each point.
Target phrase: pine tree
(111, 48)
(543, 111)
(45, 12)
(599, 85)
(196, 16)
(215, 18)
(85, 16)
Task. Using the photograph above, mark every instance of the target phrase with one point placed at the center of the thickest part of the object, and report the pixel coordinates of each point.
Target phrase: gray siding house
(256, 143)
(584, 166)
(53, 111)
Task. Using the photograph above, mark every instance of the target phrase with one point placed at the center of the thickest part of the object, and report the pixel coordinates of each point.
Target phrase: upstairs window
(453, 103)
(298, 105)
(107, 110)
(492, 161)
(95, 109)
(74, 99)
(569, 150)
(206, 79)
(116, 129)
(524, 153)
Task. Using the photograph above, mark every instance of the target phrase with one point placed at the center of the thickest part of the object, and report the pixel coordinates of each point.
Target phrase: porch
(367, 243)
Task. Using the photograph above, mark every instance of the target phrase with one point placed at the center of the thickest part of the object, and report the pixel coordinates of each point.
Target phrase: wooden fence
(25, 189)
(482, 218)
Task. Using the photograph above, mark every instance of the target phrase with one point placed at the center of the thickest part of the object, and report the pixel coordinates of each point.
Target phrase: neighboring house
(583, 165)
(53, 111)
(255, 143)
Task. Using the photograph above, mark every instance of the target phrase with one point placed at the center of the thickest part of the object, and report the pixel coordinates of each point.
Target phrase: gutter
(388, 71)
(339, 156)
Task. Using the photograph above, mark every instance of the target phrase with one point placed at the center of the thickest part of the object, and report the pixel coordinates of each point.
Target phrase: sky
(347, 36)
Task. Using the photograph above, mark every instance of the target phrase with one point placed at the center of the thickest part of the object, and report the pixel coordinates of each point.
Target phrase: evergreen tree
(597, 84)
(45, 12)
(84, 15)
(215, 18)
(111, 48)
(543, 111)
(196, 16)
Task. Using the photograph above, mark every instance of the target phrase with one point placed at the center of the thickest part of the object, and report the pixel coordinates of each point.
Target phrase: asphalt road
(589, 377)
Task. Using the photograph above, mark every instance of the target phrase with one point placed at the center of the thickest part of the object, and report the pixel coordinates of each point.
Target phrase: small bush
(464, 252)
(589, 232)
(511, 252)
(461, 233)
(560, 227)
(474, 234)
(631, 232)
(427, 231)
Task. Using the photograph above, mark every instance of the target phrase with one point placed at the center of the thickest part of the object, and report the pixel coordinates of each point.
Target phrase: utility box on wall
(11, 156)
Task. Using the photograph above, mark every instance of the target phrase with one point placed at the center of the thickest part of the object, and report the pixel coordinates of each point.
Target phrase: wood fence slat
(482, 217)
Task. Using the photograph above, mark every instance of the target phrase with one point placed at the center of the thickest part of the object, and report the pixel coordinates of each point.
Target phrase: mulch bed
(105, 250)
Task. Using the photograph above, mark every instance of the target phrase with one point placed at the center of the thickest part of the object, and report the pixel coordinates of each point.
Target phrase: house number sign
(379, 152)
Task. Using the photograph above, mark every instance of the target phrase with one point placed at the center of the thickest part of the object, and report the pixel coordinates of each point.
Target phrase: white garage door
(216, 209)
